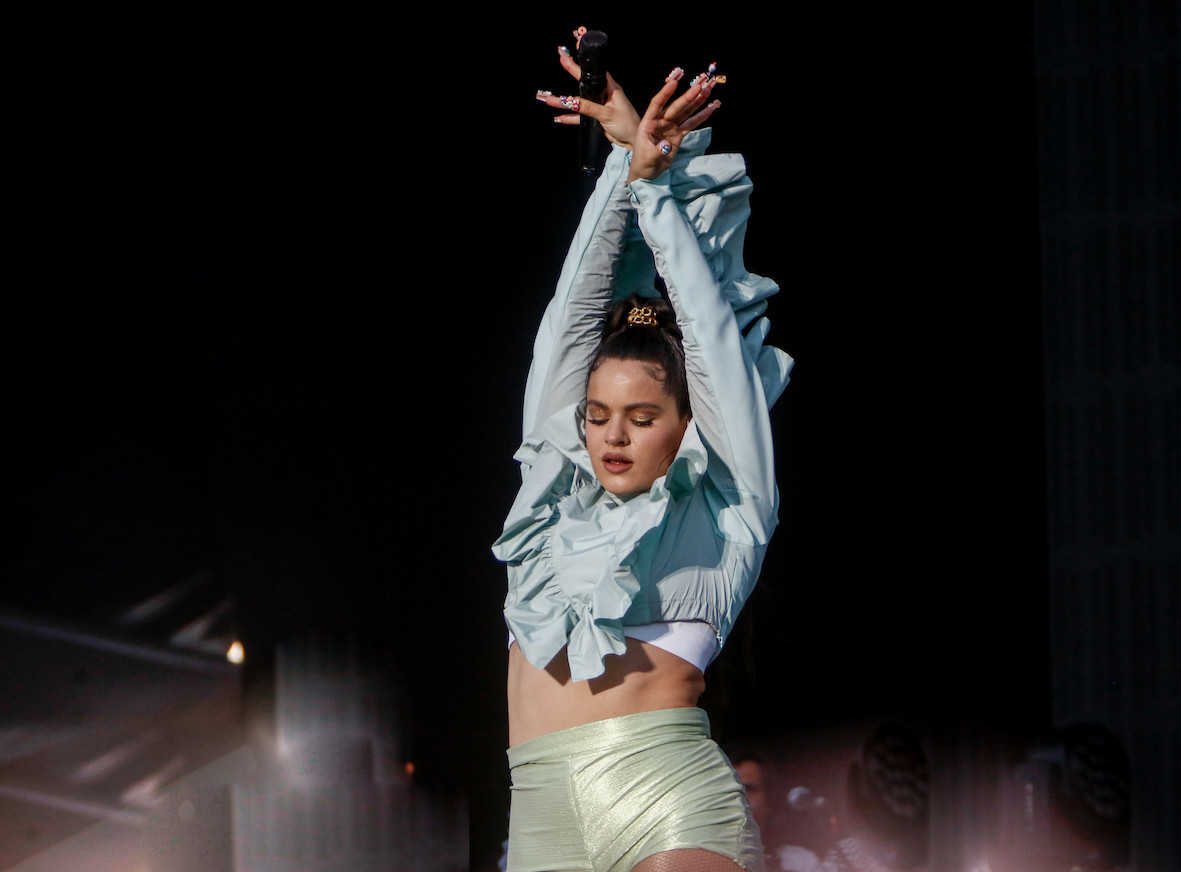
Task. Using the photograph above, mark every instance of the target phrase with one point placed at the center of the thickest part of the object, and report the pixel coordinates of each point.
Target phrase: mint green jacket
(582, 563)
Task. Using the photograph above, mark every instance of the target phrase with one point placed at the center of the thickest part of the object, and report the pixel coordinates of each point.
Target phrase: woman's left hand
(665, 124)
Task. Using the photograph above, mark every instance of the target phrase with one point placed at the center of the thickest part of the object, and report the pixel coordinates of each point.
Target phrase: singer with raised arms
(647, 501)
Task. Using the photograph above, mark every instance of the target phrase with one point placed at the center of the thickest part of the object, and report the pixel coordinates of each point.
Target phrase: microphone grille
(592, 51)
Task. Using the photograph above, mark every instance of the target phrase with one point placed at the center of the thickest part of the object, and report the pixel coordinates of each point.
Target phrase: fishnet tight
(687, 860)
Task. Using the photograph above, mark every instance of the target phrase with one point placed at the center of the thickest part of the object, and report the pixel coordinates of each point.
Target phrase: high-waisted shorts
(605, 795)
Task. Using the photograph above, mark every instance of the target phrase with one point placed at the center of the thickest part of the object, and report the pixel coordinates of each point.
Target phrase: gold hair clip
(642, 316)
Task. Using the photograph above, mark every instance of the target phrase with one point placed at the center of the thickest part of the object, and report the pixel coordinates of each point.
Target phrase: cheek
(668, 448)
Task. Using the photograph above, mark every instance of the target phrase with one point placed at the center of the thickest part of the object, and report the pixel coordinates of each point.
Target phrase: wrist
(642, 173)
(641, 170)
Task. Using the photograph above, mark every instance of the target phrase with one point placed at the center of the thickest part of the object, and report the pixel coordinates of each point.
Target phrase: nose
(615, 433)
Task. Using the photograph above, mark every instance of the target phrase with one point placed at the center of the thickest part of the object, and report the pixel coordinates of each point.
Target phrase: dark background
(269, 314)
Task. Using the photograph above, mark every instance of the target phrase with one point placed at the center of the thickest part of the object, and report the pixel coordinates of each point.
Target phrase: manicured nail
(541, 95)
(570, 103)
(675, 75)
(564, 50)
(707, 86)
(664, 147)
(713, 68)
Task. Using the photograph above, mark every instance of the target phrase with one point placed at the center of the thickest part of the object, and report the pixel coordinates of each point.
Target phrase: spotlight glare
(237, 653)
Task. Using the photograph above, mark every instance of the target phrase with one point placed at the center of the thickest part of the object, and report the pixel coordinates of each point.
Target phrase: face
(633, 426)
(750, 774)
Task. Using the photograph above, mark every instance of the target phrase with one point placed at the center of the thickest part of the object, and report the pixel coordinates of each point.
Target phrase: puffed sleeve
(606, 257)
(694, 217)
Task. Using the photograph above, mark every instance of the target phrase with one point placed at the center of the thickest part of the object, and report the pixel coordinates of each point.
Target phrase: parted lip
(613, 457)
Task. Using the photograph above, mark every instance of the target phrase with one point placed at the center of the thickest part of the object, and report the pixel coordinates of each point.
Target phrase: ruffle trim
(539, 612)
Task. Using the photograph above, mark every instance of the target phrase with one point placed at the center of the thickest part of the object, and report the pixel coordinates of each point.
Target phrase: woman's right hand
(616, 113)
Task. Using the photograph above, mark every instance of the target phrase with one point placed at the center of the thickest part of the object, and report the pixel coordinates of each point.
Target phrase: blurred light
(146, 792)
(156, 605)
(237, 653)
(409, 769)
(109, 761)
(802, 799)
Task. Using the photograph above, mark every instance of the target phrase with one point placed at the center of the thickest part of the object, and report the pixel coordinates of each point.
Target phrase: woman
(647, 502)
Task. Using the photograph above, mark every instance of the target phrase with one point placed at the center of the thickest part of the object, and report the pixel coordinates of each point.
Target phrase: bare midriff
(644, 678)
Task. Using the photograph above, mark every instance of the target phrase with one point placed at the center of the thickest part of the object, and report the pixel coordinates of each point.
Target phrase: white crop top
(693, 641)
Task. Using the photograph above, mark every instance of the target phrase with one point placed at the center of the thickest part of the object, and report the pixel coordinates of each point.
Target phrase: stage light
(237, 653)
(888, 798)
(1068, 803)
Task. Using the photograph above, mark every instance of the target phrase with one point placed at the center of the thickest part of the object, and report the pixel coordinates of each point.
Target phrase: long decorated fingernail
(675, 75)
(541, 95)
(713, 68)
(707, 86)
(570, 103)
(564, 50)
(664, 147)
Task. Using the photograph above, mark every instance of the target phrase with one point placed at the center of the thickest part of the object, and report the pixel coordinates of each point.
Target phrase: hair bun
(657, 343)
(642, 316)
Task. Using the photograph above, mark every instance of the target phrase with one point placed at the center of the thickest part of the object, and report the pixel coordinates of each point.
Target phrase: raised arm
(569, 329)
(604, 259)
(693, 211)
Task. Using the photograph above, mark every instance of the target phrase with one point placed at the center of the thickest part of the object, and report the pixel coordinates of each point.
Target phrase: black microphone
(592, 85)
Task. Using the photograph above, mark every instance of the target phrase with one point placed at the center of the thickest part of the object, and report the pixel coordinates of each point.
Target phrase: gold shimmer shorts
(603, 796)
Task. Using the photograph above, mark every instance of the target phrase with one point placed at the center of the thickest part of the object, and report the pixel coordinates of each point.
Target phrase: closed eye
(635, 422)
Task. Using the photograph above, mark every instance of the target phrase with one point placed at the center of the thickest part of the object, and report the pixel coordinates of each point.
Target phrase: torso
(644, 678)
